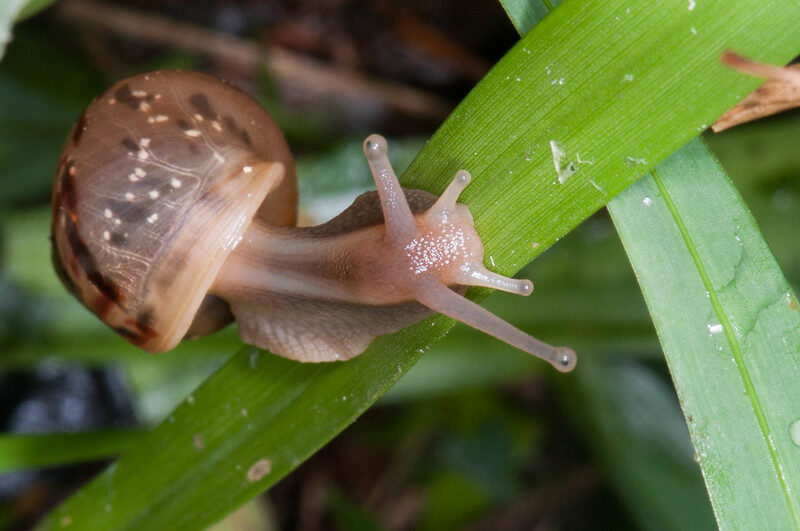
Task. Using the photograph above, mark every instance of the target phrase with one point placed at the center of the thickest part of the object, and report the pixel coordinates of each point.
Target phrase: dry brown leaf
(780, 92)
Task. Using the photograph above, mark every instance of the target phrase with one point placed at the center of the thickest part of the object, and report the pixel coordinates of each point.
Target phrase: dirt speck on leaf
(259, 469)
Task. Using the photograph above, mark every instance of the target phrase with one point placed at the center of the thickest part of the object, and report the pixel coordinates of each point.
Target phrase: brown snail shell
(157, 182)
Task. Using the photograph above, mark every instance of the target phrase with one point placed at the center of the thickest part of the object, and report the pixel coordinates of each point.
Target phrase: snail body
(174, 207)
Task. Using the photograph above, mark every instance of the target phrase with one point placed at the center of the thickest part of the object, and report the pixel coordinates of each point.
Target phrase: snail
(174, 205)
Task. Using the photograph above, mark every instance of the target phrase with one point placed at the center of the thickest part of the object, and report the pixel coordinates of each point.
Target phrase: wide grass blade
(729, 325)
(554, 131)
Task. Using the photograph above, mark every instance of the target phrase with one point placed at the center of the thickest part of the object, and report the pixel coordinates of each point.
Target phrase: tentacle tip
(526, 287)
(564, 359)
(375, 147)
(463, 178)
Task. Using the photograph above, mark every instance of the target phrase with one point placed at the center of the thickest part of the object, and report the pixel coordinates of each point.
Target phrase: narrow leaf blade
(729, 325)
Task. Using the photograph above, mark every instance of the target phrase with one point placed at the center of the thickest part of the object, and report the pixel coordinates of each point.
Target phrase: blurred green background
(476, 435)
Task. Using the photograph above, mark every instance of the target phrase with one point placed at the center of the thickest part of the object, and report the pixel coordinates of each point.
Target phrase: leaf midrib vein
(733, 342)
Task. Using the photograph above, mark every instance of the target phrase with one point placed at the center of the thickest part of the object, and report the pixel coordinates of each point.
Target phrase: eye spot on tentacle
(375, 147)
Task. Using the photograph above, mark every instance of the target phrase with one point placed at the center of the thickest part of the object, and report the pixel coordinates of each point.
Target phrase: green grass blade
(635, 427)
(730, 329)
(34, 451)
(192, 470)
(525, 14)
(763, 161)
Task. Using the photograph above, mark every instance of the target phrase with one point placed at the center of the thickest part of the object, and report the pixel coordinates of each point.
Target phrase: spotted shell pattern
(156, 183)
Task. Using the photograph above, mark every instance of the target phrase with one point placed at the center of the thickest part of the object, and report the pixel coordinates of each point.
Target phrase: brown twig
(288, 68)
(429, 41)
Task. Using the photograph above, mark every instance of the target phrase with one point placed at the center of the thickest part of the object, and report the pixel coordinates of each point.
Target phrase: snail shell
(156, 183)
